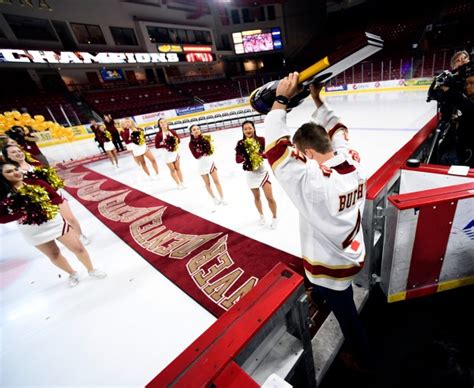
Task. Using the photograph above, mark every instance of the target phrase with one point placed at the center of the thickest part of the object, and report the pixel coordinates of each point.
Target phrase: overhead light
(194, 48)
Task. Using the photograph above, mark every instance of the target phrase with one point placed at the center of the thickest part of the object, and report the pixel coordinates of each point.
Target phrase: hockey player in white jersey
(322, 177)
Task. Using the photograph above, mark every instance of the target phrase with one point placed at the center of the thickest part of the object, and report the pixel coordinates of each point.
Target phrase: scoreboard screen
(255, 41)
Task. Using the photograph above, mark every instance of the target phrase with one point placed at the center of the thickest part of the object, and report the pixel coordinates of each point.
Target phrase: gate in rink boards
(418, 224)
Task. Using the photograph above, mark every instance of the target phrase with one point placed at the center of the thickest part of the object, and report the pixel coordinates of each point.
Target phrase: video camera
(448, 81)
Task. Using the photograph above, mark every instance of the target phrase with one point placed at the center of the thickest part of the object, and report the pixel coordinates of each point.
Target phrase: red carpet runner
(212, 264)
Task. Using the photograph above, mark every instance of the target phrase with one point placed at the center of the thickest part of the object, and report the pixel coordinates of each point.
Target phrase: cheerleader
(105, 138)
(34, 170)
(134, 137)
(250, 152)
(202, 149)
(125, 135)
(39, 211)
(5, 140)
(167, 142)
(27, 140)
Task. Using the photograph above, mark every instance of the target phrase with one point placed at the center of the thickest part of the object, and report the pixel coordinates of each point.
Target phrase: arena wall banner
(395, 83)
(419, 82)
(220, 104)
(153, 117)
(150, 119)
(189, 109)
(381, 86)
(338, 88)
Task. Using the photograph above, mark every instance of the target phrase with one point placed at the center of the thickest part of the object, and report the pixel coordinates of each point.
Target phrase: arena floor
(123, 330)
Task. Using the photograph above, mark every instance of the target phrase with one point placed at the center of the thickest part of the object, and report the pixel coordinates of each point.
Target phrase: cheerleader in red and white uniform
(5, 140)
(34, 170)
(104, 137)
(39, 211)
(125, 135)
(250, 152)
(202, 149)
(134, 138)
(167, 143)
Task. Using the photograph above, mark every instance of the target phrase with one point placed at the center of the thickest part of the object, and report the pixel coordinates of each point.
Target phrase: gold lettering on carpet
(75, 180)
(191, 245)
(93, 192)
(204, 257)
(237, 295)
(209, 268)
(217, 289)
(115, 209)
(203, 271)
(146, 228)
(150, 234)
(224, 261)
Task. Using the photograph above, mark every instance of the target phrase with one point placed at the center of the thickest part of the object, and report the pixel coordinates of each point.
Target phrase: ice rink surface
(123, 330)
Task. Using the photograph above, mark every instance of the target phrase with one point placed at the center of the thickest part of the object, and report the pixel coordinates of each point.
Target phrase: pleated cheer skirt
(206, 165)
(48, 231)
(257, 178)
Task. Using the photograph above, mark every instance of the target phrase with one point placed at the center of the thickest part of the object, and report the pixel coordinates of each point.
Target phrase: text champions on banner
(82, 57)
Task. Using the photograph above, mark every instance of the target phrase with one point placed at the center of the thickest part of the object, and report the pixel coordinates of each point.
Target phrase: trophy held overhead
(333, 64)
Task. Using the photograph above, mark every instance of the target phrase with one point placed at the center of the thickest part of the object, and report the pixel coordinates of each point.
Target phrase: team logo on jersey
(469, 230)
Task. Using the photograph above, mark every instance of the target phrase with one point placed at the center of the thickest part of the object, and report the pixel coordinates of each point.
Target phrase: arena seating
(133, 101)
(45, 104)
(209, 91)
(246, 84)
(458, 8)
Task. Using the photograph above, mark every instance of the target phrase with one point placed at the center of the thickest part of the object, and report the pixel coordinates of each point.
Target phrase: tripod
(440, 133)
(444, 125)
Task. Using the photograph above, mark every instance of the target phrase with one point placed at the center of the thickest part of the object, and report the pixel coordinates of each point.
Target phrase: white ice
(125, 329)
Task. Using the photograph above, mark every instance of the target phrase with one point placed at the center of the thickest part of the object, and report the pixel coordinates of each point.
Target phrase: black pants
(117, 140)
(342, 305)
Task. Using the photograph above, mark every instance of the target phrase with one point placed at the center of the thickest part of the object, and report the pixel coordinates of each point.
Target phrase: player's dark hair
(312, 135)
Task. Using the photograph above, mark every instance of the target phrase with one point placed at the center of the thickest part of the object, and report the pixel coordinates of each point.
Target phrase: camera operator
(452, 143)
(459, 59)
(465, 103)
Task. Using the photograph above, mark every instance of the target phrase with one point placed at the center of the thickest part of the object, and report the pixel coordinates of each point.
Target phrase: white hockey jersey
(329, 197)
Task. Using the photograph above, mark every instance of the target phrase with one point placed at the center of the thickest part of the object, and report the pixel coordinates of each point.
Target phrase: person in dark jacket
(116, 139)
